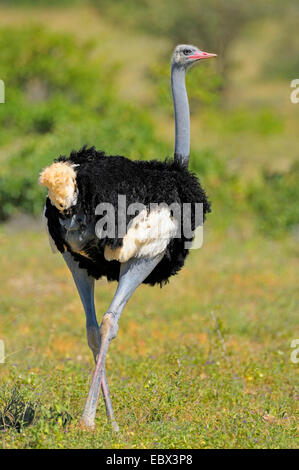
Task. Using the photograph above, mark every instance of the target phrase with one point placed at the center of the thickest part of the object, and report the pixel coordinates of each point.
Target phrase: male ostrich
(141, 254)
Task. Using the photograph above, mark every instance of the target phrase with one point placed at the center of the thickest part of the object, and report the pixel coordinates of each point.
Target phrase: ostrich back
(101, 179)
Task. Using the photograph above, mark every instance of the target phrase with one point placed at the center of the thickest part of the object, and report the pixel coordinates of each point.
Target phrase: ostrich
(77, 185)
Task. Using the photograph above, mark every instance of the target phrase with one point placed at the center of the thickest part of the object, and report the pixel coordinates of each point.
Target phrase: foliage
(40, 92)
(211, 24)
(51, 109)
(283, 62)
(54, 109)
(263, 121)
(15, 412)
(275, 201)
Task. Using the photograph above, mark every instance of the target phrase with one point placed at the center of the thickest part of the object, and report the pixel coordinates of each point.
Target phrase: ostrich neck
(181, 114)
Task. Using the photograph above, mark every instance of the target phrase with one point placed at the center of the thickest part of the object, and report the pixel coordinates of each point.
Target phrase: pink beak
(202, 55)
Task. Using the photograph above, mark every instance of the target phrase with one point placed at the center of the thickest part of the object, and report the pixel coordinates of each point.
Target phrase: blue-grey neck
(181, 114)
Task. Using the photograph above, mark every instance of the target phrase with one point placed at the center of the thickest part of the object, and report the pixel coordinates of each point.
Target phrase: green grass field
(206, 361)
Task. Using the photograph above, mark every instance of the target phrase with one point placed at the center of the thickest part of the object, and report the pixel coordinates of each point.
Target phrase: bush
(263, 121)
(211, 24)
(275, 201)
(283, 61)
(53, 82)
(59, 98)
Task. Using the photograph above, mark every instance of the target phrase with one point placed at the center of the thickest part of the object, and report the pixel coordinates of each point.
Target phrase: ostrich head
(185, 55)
(60, 179)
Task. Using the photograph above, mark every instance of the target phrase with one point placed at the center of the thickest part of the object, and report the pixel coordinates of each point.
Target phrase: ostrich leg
(132, 274)
(85, 286)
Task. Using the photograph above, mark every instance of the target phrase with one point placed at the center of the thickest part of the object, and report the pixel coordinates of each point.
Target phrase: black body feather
(101, 179)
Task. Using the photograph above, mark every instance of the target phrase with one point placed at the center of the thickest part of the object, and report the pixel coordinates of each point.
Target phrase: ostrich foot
(86, 424)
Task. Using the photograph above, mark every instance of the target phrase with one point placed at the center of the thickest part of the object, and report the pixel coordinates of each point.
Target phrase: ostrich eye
(187, 51)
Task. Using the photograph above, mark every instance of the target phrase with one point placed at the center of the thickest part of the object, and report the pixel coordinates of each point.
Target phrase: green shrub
(210, 24)
(49, 80)
(283, 61)
(59, 97)
(275, 201)
(19, 190)
(262, 121)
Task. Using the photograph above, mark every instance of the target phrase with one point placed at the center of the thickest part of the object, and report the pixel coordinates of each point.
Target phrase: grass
(204, 362)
